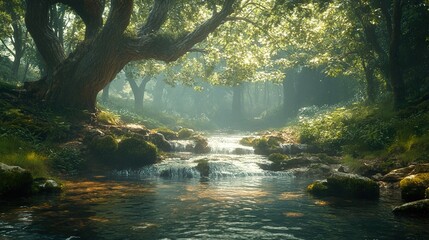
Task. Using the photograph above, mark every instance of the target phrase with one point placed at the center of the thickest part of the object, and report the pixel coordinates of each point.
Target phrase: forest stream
(235, 199)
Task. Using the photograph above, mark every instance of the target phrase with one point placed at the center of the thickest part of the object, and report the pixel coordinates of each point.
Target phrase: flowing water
(171, 200)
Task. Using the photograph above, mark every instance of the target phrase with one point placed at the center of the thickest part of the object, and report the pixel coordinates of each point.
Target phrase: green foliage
(109, 118)
(361, 127)
(68, 161)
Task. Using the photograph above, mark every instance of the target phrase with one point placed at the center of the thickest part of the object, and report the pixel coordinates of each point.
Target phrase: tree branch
(90, 11)
(153, 46)
(157, 17)
(37, 21)
(7, 48)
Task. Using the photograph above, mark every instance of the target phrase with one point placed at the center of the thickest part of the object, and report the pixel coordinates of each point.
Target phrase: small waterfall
(227, 159)
(224, 144)
(182, 145)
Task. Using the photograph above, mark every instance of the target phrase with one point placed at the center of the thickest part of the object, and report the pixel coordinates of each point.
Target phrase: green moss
(427, 193)
(168, 133)
(277, 158)
(104, 145)
(185, 133)
(347, 186)
(318, 188)
(107, 117)
(413, 187)
(134, 153)
(247, 141)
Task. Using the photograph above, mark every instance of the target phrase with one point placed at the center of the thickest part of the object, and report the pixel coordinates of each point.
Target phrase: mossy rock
(415, 208)
(14, 181)
(201, 144)
(318, 188)
(427, 193)
(134, 153)
(203, 167)
(185, 133)
(159, 140)
(352, 185)
(267, 146)
(104, 145)
(248, 141)
(413, 187)
(168, 133)
(346, 186)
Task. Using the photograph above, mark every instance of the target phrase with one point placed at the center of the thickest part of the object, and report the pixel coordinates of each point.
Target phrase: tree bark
(74, 82)
(395, 68)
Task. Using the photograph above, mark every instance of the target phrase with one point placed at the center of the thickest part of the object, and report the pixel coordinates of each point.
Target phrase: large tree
(74, 81)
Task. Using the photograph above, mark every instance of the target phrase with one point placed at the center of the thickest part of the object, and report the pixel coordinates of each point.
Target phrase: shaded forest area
(350, 77)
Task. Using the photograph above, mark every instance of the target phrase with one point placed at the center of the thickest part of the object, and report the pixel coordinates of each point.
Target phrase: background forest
(347, 74)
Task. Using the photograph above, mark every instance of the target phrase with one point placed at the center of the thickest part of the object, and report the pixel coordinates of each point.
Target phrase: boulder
(135, 153)
(416, 208)
(397, 175)
(413, 187)
(103, 145)
(346, 185)
(267, 146)
(185, 133)
(159, 140)
(14, 181)
(201, 145)
(203, 167)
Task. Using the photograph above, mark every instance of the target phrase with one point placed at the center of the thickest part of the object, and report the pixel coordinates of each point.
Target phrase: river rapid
(171, 200)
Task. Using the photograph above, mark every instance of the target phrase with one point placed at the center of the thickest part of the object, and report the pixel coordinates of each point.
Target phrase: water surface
(171, 201)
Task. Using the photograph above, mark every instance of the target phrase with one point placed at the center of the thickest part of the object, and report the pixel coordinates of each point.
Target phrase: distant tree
(13, 33)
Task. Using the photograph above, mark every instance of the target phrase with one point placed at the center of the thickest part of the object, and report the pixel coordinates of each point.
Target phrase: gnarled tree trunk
(74, 82)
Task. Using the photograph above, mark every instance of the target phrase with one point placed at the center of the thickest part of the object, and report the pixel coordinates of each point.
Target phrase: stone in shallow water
(346, 185)
(416, 208)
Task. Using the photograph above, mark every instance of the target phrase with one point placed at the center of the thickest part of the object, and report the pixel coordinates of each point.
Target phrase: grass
(15, 152)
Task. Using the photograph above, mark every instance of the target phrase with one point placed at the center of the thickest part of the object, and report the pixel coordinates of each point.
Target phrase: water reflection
(244, 208)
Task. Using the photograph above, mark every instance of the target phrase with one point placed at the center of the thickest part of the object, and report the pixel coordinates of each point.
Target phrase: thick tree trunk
(395, 68)
(75, 82)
